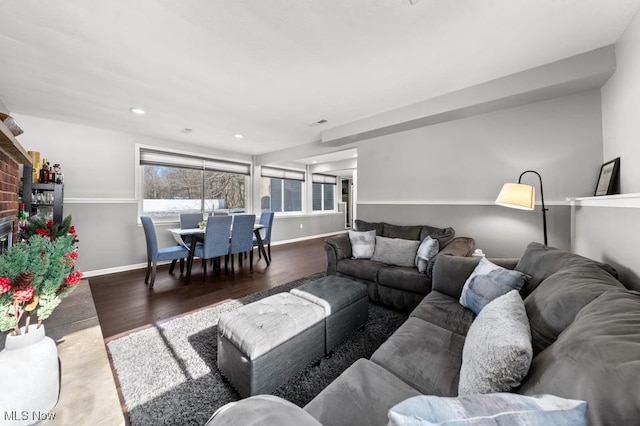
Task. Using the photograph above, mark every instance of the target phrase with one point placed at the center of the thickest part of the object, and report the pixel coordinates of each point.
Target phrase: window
(324, 189)
(281, 190)
(175, 183)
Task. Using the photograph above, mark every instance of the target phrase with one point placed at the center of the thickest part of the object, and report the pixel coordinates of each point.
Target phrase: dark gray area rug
(168, 373)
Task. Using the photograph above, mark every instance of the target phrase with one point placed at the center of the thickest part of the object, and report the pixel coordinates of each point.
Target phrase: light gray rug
(168, 373)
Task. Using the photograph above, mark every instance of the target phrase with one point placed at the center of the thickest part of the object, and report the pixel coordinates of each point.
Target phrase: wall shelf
(11, 146)
(618, 200)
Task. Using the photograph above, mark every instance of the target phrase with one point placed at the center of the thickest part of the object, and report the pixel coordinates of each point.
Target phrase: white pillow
(495, 408)
(362, 244)
(429, 247)
(497, 351)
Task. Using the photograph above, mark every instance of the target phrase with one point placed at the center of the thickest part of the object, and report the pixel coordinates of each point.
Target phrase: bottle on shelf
(44, 171)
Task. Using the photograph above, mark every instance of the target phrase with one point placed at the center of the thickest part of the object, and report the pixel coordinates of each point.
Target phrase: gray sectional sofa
(585, 329)
(397, 286)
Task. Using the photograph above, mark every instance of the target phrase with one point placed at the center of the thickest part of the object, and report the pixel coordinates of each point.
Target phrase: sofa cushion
(497, 352)
(444, 311)
(360, 268)
(405, 232)
(487, 282)
(429, 248)
(260, 410)
(424, 355)
(395, 251)
(361, 395)
(490, 409)
(540, 261)
(363, 244)
(361, 225)
(596, 360)
(443, 235)
(402, 278)
(556, 301)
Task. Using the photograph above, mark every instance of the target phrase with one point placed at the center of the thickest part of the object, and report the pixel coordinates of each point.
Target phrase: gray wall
(607, 228)
(449, 174)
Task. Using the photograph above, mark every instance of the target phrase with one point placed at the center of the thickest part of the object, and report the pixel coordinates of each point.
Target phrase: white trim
(631, 201)
(100, 201)
(125, 268)
(450, 203)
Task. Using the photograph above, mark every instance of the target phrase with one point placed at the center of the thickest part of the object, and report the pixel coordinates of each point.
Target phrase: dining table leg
(192, 250)
(261, 245)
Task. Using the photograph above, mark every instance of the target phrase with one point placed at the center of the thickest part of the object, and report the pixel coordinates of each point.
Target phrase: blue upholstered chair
(155, 254)
(266, 219)
(216, 240)
(242, 237)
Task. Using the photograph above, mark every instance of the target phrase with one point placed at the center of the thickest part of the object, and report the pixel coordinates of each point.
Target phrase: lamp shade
(517, 196)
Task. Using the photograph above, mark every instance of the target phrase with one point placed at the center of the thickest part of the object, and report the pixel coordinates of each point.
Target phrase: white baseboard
(135, 266)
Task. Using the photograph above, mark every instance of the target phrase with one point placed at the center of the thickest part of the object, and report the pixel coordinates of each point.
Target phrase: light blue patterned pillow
(489, 281)
(489, 409)
(429, 247)
(363, 244)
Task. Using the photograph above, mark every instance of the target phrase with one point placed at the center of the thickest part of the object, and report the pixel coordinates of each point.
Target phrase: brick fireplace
(9, 187)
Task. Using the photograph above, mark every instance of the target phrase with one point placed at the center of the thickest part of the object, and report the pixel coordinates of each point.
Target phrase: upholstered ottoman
(345, 303)
(264, 343)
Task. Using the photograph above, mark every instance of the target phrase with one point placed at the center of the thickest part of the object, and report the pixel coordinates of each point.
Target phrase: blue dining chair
(266, 219)
(190, 220)
(216, 240)
(155, 254)
(242, 238)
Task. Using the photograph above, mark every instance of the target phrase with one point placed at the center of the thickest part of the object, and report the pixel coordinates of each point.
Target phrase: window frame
(270, 172)
(323, 180)
(209, 163)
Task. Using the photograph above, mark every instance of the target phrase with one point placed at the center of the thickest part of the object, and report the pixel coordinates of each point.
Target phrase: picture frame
(608, 178)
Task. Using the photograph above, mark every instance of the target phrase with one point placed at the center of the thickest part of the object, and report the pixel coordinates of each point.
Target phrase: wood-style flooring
(124, 303)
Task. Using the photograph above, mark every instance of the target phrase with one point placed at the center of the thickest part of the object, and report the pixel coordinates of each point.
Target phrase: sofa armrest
(459, 246)
(336, 247)
(451, 272)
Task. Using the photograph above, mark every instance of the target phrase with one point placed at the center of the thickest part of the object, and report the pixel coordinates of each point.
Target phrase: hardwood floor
(124, 303)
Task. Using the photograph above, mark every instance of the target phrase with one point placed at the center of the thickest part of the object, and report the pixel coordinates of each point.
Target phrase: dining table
(181, 235)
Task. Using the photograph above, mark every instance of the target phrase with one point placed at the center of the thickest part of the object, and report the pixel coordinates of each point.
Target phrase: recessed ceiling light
(314, 162)
(137, 110)
(355, 155)
(238, 136)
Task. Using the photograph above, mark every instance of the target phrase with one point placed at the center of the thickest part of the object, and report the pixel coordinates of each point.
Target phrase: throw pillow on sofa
(487, 282)
(495, 408)
(429, 247)
(497, 351)
(362, 244)
(395, 251)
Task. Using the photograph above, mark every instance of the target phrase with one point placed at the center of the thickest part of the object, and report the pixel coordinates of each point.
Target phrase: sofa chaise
(401, 287)
(584, 337)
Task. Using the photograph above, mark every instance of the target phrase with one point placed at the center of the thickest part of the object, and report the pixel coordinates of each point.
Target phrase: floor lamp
(521, 196)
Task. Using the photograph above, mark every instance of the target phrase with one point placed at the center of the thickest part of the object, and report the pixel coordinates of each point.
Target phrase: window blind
(274, 172)
(152, 157)
(318, 178)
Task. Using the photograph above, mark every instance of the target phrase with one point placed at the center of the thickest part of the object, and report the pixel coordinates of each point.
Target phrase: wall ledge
(630, 201)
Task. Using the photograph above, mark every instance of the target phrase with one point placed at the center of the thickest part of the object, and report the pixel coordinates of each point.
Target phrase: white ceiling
(267, 69)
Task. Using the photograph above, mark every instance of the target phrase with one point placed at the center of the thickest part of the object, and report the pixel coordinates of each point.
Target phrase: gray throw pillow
(362, 244)
(395, 251)
(497, 352)
(487, 282)
(429, 247)
(496, 408)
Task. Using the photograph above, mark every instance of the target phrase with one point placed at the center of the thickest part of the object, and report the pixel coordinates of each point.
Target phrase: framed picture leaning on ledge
(608, 178)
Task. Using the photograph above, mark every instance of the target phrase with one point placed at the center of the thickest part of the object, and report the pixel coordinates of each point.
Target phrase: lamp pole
(544, 209)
